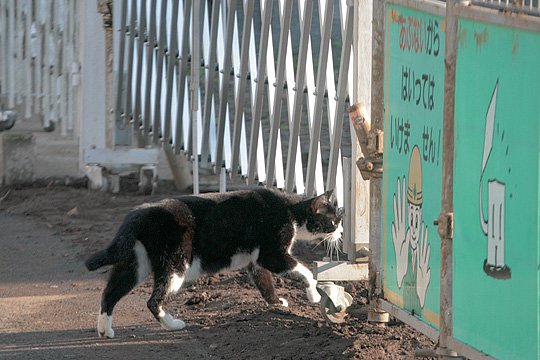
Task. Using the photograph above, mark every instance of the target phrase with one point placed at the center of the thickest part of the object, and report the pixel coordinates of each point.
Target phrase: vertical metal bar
(253, 84)
(61, 60)
(348, 247)
(276, 110)
(224, 91)
(47, 66)
(70, 64)
(172, 61)
(186, 21)
(290, 91)
(65, 61)
(299, 96)
(18, 50)
(128, 110)
(120, 113)
(335, 143)
(58, 51)
(44, 62)
(375, 185)
(39, 71)
(259, 90)
(156, 129)
(23, 62)
(244, 67)
(210, 81)
(150, 48)
(51, 43)
(141, 33)
(63, 53)
(194, 89)
(74, 66)
(321, 85)
(28, 60)
(447, 202)
(3, 47)
(10, 53)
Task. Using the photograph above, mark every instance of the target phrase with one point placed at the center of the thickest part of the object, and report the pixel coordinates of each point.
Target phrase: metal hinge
(445, 225)
(371, 142)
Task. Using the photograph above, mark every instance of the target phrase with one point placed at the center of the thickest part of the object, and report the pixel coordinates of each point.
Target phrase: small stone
(73, 212)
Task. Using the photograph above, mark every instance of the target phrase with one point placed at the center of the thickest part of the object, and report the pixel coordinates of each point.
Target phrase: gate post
(105, 8)
(375, 186)
(93, 109)
(445, 220)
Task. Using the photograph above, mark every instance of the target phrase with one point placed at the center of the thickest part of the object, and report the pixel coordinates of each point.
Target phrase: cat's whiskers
(320, 242)
(333, 243)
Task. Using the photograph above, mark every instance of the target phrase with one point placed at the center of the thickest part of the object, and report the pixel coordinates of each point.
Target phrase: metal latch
(445, 225)
(371, 142)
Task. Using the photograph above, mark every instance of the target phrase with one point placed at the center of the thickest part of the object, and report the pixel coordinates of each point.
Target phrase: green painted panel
(496, 242)
(414, 87)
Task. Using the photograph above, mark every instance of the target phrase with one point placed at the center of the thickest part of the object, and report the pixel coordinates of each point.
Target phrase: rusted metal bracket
(445, 225)
(370, 140)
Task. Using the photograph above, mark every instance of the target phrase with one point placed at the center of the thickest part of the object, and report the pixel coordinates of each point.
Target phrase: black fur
(211, 228)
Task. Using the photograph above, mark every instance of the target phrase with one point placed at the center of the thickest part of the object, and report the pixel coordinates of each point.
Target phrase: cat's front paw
(104, 326)
(170, 323)
(284, 302)
(313, 295)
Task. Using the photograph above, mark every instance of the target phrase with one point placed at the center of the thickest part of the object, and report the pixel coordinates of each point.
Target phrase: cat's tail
(99, 259)
(119, 250)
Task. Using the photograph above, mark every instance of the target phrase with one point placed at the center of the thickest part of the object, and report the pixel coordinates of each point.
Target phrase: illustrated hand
(423, 274)
(399, 232)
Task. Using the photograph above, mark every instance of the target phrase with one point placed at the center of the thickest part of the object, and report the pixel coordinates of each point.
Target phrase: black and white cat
(180, 239)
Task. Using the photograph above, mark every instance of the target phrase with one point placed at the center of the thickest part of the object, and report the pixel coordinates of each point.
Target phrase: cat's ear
(320, 202)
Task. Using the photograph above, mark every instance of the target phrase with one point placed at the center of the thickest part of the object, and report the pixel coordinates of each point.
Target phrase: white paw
(104, 326)
(284, 302)
(313, 295)
(170, 323)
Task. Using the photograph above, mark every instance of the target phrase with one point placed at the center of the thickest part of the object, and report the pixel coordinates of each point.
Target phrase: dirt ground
(49, 302)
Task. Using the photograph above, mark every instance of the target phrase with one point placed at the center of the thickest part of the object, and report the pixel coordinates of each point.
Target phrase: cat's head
(320, 218)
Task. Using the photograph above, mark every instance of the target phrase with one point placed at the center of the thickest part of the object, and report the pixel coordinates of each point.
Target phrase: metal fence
(39, 68)
(257, 87)
(531, 7)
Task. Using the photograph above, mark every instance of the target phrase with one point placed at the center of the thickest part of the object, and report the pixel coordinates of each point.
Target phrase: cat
(180, 239)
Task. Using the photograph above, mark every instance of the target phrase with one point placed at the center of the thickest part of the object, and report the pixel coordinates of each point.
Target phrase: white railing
(39, 67)
(531, 7)
(257, 87)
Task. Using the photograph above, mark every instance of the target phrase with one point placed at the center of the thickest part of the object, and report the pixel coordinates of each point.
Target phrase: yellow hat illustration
(414, 193)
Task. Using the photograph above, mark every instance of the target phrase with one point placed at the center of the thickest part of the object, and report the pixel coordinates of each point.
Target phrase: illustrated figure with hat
(410, 237)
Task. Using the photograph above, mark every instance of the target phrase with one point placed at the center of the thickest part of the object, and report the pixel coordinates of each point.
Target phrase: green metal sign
(414, 86)
(496, 239)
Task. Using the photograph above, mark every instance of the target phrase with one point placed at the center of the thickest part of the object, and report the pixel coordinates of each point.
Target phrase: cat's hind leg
(166, 281)
(263, 281)
(122, 280)
(124, 277)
